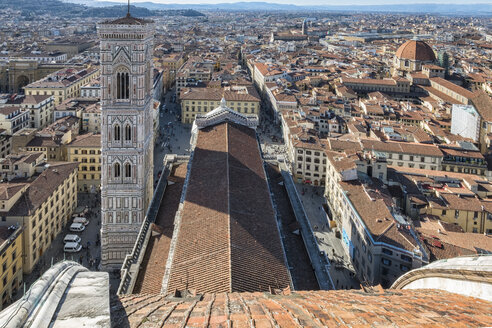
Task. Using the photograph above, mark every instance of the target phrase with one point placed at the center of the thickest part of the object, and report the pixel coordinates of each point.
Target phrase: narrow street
(174, 137)
(341, 271)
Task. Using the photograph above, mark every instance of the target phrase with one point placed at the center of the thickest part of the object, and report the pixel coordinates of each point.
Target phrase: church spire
(128, 13)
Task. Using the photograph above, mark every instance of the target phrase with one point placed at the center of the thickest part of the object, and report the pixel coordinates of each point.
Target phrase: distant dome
(416, 50)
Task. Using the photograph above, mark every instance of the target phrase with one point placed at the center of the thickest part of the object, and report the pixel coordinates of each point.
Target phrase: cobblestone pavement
(341, 271)
(89, 256)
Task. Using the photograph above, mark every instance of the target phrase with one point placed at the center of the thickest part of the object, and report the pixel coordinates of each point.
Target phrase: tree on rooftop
(443, 59)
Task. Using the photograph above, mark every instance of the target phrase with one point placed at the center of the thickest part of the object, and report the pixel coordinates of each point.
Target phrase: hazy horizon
(312, 2)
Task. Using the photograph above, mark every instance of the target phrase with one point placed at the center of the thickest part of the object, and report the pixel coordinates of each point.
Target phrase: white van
(77, 227)
(82, 220)
(72, 247)
(71, 239)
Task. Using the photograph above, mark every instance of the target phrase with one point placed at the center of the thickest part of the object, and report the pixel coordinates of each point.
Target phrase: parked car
(72, 247)
(77, 227)
(82, 220)
(71, 239)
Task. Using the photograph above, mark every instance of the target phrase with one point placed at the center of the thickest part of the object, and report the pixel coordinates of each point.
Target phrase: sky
(315, 2)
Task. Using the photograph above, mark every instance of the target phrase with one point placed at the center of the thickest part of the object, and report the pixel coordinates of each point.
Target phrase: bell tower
(126, 133)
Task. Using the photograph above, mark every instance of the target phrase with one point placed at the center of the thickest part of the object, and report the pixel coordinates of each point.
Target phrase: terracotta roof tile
(341, 308)
(371, 206)
(42, 187)
(453, 87)
(416, 50)
(228, 238)
(153, 266)
(483, 104)
(86, 140)
(216, 94)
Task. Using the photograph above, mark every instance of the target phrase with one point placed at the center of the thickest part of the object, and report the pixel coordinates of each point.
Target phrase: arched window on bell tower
(128, 132)
(128, 170)
(117, 132)
(117, 170)
(123, 84)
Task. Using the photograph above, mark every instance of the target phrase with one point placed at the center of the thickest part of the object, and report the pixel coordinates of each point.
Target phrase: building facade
(5, 144)
(91, 90)
(469, 212)
(126, 133)
(371, 231)
(91, 119)
(42, 205)
(11, 263)
(63, 84)
(406, 154)
(308, 162)
(86, 150)
(40, 109)
(390, 86)
(198, 101)
(13, 119)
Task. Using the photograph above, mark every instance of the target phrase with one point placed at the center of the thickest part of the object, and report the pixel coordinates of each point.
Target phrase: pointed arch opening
(128, 170)
(123, 84)
(128, 132)
(117, 132)
(117, 170)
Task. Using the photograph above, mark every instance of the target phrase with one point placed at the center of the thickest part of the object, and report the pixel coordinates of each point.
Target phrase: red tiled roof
(86, 140)
(216, 94)
(416, 50)
(483, 104)
(153, 266)
(228, 238)
(42, 187)
(347, 80)
(453, 87)
(401, 147)
(340, 308)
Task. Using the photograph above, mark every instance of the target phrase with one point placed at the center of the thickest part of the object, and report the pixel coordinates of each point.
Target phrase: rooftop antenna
(128, 13)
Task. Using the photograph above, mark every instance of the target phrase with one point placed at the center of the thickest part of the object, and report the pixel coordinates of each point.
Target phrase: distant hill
(36, 8)
(117, 11)
(80, 8)
(432, 8)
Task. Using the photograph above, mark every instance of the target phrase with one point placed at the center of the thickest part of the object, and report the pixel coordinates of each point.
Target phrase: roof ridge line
(228, 205)
(386, 230)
